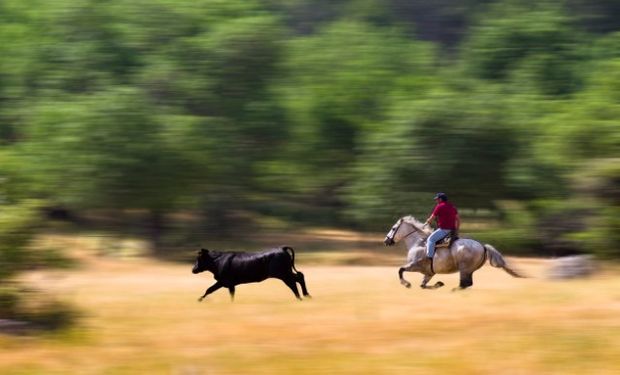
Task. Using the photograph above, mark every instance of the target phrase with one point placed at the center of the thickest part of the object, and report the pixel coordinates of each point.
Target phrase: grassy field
(141, 316)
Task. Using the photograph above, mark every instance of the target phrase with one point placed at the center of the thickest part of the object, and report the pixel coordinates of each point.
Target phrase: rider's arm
(433, 216)
(430, 218)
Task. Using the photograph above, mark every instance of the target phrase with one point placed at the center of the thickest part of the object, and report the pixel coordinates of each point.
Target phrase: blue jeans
(437, 235)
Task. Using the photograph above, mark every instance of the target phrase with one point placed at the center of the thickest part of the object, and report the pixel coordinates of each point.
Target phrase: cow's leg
(211, 289)
(231, 289)
(302, 281)
(289, 280)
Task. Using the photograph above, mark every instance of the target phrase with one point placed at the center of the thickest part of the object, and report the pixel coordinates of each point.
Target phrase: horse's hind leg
(466, 280)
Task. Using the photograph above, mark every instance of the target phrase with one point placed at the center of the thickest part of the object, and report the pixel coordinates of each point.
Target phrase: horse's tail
(290, 251)
(497, 260)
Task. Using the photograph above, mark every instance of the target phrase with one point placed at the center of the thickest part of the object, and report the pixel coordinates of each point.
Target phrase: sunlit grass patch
(141, 316)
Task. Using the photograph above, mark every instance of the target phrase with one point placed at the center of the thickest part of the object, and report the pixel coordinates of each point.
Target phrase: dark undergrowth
(28, 311)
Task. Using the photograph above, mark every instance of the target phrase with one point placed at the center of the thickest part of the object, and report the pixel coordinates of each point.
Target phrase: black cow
(234, 268)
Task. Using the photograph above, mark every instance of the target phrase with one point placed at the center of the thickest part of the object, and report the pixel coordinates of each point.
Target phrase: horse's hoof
(200, 299)
(439, 284)
(406, 284)
(457, 289)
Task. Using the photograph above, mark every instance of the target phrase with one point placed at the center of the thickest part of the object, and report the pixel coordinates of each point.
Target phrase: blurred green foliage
(18, 224)
(349, 113)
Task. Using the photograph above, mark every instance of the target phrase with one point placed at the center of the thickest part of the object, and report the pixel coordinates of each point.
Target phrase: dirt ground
(141, 316)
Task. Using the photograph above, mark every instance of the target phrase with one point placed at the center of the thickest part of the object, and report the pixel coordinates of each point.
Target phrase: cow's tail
(497, 260)
(290, 251)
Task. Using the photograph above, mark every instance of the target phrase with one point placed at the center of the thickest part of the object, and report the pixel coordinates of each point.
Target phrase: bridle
(397, 226)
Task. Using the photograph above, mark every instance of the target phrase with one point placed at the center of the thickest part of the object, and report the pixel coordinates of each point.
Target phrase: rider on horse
(447, 222)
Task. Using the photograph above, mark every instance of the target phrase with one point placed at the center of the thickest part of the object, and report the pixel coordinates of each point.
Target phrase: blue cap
(441, 196)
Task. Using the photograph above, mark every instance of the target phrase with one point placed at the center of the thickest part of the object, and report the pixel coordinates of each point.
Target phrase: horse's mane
(413, 221)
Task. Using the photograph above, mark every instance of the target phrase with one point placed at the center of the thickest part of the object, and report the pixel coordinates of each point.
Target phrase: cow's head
(204, 261)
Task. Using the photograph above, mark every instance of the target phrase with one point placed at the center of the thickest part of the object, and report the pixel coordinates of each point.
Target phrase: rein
(415, 229)
(410, 233)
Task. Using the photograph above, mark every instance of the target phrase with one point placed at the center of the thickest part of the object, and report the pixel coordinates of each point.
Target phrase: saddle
(447, 241)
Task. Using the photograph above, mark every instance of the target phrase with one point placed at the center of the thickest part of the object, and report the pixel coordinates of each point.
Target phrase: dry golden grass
(142, 317)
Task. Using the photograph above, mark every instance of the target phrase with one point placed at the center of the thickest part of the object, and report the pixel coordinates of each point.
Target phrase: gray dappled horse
(464, 255)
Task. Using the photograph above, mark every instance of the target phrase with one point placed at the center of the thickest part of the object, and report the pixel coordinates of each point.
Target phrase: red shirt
(445, 213)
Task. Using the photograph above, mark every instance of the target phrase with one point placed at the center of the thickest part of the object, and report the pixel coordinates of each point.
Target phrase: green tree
(443, 143)
(339, 85)
(218, 81)
(100, 151)
(18, 39)
(18, 225)
(582, 140)
(522, 44)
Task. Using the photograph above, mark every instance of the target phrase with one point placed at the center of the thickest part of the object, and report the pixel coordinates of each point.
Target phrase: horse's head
(389, 238)
(405, 227)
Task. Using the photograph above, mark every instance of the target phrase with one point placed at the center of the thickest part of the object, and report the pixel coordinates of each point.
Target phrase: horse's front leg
(406, 267)
(428, 278)
(425, 281)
